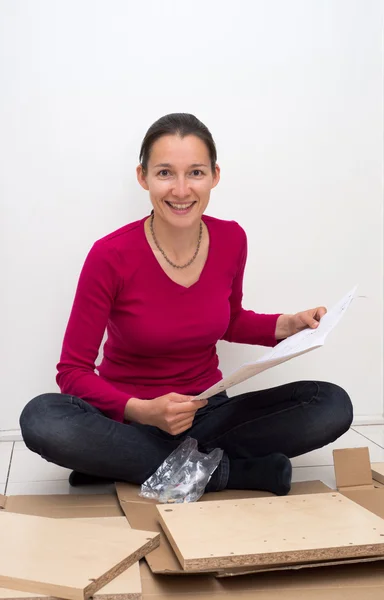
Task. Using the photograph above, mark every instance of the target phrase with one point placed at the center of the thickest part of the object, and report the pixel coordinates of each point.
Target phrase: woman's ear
(216, 176)
(141, 178)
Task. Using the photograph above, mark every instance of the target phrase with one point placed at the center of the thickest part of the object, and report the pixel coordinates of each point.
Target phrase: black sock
(77, 478)
(271, 473)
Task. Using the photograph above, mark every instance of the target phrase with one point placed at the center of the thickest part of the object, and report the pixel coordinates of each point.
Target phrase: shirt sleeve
(247, 326)
(96, 291)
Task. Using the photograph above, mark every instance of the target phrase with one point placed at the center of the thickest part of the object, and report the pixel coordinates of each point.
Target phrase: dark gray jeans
(293, 419)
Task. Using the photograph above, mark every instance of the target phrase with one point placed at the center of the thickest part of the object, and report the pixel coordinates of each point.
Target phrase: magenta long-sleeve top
(161, 336)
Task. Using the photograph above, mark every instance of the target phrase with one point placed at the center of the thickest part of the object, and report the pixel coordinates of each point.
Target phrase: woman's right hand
(173, 413)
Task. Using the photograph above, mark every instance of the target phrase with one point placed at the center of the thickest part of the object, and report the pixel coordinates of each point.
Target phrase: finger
(180, 398)
(190, 407)
(315, 316)
(181, 427)
(184, 422)
(200, 403)
(309, 318)
(305, 319)
(320, 312)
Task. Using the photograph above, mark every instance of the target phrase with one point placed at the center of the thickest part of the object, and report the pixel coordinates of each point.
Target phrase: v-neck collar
(204, 269)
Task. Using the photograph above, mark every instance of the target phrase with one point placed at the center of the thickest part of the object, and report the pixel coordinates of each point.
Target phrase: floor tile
(324, 474)
(5, 458)
(375, 433)
(28, 466)
(56, 487)
(324, 456)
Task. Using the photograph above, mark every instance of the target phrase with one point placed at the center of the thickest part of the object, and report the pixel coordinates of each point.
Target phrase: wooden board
(236, 571)
(126, 586)
(266, 531)
(142, 514)
(66, 558)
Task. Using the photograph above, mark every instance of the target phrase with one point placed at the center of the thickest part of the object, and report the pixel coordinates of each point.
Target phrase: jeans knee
(34, 420)
(29, 421)
(339, 406)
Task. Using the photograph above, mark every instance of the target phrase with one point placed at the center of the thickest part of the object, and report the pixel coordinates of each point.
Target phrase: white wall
(292, 92)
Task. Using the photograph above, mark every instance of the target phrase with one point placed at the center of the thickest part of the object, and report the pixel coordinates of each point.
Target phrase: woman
(167, 288)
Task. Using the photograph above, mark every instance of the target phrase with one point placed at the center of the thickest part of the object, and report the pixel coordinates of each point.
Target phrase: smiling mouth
(180, 206)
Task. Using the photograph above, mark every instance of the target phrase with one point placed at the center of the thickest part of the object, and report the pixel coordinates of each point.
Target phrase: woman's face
(179, 179)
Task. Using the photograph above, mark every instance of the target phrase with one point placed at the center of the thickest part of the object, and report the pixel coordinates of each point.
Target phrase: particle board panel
(123, 587)
(126, 586)
(237, 571)
(65, 557)
(163, 558)
(268, 531)
(142, 514)
(164, 561)
(120, 594)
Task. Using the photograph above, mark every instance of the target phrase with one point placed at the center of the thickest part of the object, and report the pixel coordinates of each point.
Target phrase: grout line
(9, 468)
(369, 439)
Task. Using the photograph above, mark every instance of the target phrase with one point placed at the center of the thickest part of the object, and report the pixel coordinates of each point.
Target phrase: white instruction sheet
(295, 345)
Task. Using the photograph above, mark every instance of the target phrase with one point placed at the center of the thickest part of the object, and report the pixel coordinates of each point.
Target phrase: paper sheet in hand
(300, 343)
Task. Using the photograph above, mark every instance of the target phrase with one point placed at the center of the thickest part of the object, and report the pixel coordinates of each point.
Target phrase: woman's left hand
(287, 325)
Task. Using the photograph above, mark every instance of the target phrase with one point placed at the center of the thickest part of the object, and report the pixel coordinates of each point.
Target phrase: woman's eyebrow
(168, 165)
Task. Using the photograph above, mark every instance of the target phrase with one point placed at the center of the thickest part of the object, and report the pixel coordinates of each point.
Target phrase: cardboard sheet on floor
(332, 583)
(378, 472)
(356, 582)
(69, 559)
(126, 586)
(352, 468)
(267, 531)
(64, 505)
(142, 514)
(354, 480)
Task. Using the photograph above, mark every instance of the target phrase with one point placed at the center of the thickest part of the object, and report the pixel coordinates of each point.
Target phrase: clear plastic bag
(183, 476)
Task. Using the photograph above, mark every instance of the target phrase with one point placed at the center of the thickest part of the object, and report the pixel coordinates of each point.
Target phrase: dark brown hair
(181, 124)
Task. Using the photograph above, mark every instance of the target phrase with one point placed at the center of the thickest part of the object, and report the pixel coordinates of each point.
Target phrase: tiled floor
(22, 472)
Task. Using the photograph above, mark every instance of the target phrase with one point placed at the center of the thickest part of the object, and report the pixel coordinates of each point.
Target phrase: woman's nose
(181, 188)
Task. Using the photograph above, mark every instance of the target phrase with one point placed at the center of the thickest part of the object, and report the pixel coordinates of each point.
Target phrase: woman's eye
(197, 172)
(164, 172)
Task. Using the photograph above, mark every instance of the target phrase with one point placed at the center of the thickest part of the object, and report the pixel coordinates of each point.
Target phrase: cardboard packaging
(355, 582)
(354, 479)
(378, 472)
(64, 505)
